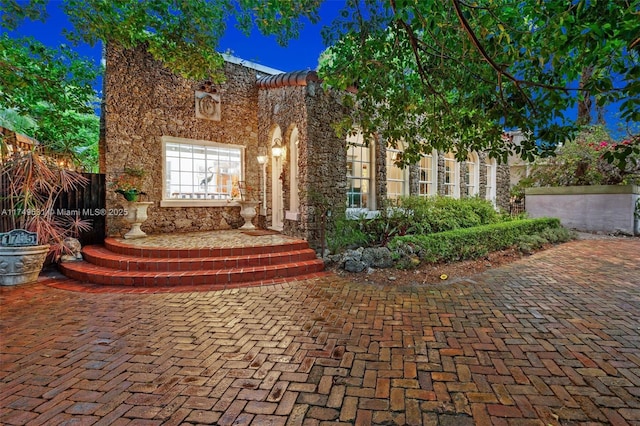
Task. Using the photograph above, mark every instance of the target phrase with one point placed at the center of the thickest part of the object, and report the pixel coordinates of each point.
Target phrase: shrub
(411, 216)
(590, 159)
(528, 243)
(469, 243)
(346, 234)
(439, 214)
(558, 235)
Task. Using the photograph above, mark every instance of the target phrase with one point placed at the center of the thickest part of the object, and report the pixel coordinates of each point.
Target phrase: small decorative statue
(72, 250)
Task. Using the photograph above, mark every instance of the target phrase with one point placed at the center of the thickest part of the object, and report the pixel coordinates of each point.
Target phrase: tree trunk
(584, 105)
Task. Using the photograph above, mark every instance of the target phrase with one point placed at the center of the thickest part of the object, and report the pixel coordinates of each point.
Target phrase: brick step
(75, 285)
(224, 278)
(119, 247)
(101, 256)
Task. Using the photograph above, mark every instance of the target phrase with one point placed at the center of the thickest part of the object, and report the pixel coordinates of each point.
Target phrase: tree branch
(414, 48)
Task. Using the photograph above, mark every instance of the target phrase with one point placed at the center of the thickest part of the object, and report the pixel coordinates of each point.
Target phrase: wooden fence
(88, 203)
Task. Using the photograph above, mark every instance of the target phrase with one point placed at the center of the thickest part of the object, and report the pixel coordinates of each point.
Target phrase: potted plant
(31, 183)
(129, 183)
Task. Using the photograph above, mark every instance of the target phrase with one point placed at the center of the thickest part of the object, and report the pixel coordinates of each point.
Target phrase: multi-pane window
(426, 180)
(397, 177)
(491, 180)
(450, 176)
(201, 170)
(358, 173)
(472, 175)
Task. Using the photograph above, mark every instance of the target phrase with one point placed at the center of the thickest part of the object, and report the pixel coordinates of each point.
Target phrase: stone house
(197, 141)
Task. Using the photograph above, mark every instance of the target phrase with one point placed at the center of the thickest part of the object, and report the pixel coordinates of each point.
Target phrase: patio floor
(552, 339)
(227, 239)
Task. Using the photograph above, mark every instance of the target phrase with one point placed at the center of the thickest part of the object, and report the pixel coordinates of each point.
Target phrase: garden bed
(429, 274)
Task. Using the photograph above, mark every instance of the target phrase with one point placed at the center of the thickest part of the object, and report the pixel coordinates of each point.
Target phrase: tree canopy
(183, 35)
(449, 75)
(48, 94)
(454, 74)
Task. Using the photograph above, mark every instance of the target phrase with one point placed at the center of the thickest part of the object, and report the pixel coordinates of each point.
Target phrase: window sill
(291, 215)
(198, 203)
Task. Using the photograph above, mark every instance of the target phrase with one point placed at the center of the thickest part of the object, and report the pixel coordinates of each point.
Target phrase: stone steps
(118, 264)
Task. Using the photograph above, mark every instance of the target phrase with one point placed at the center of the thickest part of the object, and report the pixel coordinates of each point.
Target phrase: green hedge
(468, 243)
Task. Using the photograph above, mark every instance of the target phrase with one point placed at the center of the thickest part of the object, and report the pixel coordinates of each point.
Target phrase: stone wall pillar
(482, 185)
(414, 179)
(440, 164)
(503, 178)
(380, 154)
(462, 178)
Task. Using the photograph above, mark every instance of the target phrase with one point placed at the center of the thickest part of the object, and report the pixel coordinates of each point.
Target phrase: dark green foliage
(48, 95)
(183, 35)
(451, 75)
(558, 235)
(469, 243)
(528, 243)
(438, 214)
(412, 216)
(345, 234)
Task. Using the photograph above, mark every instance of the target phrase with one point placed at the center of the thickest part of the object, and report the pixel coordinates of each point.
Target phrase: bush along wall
(467, 243)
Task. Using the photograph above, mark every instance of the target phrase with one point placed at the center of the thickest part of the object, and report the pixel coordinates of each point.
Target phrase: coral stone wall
(503, 179)
(283, 107)
(321, 160)
(144, 102)
(326, 161)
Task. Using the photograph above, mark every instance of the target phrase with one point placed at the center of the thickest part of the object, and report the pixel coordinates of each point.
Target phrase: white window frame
(356, 142)
(491, 167)
(391, 155)
(195, 202)
(473, 175)
(451, 188)
(431, 174)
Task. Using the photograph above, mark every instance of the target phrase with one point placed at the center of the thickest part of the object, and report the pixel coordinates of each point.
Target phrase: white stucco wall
(597, 208)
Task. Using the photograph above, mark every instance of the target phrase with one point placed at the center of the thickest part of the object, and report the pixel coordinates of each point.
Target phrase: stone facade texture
(321, 183)
(144, 102)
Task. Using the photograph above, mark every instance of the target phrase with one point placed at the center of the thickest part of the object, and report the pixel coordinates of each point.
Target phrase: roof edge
(288, 79)
(245, 63)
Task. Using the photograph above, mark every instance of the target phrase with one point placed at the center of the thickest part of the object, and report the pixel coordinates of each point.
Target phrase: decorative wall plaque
(208, 105)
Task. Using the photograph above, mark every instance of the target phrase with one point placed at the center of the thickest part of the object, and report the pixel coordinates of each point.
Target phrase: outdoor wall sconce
(276, 149)
(262, 159)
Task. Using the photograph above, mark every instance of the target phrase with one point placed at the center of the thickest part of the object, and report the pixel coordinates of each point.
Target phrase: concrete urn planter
(136, 215)
(21, 265)
(248, 212)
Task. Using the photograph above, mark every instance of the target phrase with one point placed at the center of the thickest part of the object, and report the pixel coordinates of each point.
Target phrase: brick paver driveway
(552, 339)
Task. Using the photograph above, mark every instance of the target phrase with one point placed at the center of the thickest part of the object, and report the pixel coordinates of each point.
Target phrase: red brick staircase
(119, 264)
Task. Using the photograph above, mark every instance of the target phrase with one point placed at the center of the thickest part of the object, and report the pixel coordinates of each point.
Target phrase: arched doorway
(277, 158)
(294, 196)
